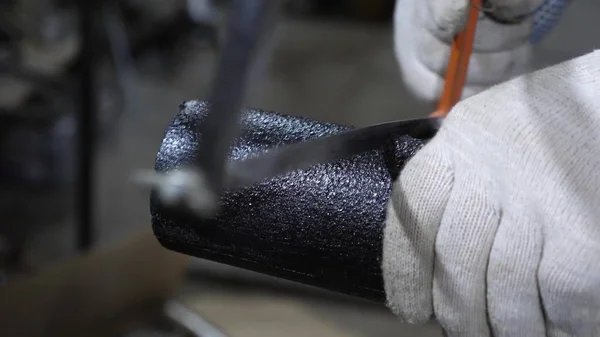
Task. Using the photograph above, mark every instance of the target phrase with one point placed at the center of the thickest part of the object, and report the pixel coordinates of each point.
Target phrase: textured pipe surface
(320, 226)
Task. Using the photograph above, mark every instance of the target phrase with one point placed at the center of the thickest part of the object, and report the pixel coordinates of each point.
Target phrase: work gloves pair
(493, 228)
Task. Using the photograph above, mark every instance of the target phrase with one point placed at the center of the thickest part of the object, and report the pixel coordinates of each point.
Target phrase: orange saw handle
(458, 64)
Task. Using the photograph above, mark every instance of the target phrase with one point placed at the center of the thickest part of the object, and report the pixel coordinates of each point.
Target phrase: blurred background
(66, 156)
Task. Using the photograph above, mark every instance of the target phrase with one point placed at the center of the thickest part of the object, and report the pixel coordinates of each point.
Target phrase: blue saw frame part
(546, 18)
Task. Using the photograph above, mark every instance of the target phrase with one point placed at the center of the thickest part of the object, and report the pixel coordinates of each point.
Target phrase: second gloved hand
(493, 228)
(423, 33)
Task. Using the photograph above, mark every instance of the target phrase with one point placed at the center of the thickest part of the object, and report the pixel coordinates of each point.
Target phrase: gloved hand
(493, 228)
(424, 29)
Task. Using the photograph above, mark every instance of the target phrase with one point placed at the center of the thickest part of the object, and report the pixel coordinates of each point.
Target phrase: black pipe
(322, 226)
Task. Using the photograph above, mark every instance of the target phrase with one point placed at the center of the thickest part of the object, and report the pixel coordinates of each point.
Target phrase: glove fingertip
(449, 16)
(412, 220)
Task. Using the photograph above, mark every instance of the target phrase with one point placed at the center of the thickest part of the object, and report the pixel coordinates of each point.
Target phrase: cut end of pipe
(181, 188)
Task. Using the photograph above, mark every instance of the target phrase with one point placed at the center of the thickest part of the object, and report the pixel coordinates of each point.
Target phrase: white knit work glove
(423, 32)
(493, 228)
